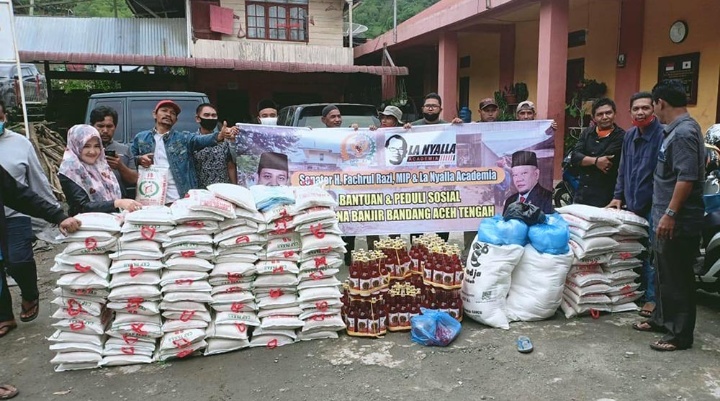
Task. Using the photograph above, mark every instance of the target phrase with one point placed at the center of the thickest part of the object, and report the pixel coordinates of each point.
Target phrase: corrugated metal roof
(113, 36)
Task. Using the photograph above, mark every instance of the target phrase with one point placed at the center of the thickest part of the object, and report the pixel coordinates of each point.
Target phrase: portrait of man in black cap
(395, 150)
(525, 177)
(273, 170)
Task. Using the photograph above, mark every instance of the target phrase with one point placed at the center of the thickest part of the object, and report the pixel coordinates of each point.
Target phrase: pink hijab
(98, 179)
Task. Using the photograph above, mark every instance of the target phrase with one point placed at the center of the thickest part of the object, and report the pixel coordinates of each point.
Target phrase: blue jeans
(648, 275)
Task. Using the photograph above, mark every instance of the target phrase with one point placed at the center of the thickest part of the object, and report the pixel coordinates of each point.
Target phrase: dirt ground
(576, 359)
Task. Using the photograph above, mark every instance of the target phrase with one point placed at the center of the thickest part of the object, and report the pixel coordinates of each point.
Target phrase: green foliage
(504, 113)
(77, 8)
(377, 15)
(69, 85)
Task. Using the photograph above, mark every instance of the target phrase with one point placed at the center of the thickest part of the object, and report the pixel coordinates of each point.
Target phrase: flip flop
(6, 327)
(648, 326)
(33, 305)
(647, 309)
(524, 345)
(10, 391)
(666, 346)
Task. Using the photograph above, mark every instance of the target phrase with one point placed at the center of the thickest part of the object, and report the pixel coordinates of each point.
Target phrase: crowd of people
(655, 169)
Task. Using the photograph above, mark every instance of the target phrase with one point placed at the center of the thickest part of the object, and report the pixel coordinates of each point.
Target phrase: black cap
(327, 109)
(266, 104)
(273, 160)
(524, 158)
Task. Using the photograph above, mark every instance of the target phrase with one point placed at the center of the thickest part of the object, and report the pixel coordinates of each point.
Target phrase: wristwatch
(670, 212)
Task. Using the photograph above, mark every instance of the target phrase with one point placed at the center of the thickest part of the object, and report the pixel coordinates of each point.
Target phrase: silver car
(33, 81)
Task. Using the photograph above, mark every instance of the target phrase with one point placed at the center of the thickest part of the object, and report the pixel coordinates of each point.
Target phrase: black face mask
(208, 123)
(431, 117)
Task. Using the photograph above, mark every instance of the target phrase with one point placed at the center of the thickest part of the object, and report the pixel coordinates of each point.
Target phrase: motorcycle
(564, 191)
(707, 268)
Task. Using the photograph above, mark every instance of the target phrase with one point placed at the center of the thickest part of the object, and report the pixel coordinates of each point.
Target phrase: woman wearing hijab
(86, 178)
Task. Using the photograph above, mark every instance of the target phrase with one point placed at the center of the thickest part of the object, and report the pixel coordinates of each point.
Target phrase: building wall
(484, 70)
(327, 16)
(703, 36)
(526, 55)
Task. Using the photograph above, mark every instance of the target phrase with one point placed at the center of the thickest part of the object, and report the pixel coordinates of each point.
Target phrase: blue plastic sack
(552, 236)
(434, 327)
(497, 231)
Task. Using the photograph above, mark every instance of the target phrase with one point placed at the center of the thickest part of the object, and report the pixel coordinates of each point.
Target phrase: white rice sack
(79, 307)
(313, 215)
(307, 197)
(170, 326)
(274, 302)
(323, 323)
(231, 288)
(142, 330)
(626, 307)
(60, 336)
(135, 267)
(583, 276)
(99, 222)
(122, 318)
(192, 296)
(599, 288)
(279, 212)
(183, 306)
(319, 281)
(91, 247)
(236, 194)
(181, 276)
(318, 294)
(148, 308)
(276, 267)
(329, 226)
(191, 350)
(99, 264)
(591, 213)
(151, 215)
(221, 345)
(276, 280)
(144, 278)
(202, 200)
(187, 285)
(283, 247)
(625, 298)
(246, 318)
(195, 228)
(270, 341)
(487, 281)
(128, 228)
(231, 298)
(186, 315)
(181, 213)
(82, 236)
(316, 335)
(627, 217)
(624, 255)
(234, 232)
(76, 357)
(76, 347)
(630, 246)
(124, 360)
(602, 231)
(143, 235)
(152, 185)
(295, 311)
(189, 250)
(586, 299)
(250, 241)
(317, 275)
(229, 256)
(281, 322)
(236, 331)
(622, 276)
(80, 325)
(233, 270)
(583, 248)
(582, 224)
(98, 295)
(592, 260)
(62, 313)
(67, 367)
(321, 305)
(320, 253)
(82, 280)
(248, 306)
(621, 289)
(243, 214)
(537, 284)
(141, 292)
(632, 230)
(312, 243)
(189, 263)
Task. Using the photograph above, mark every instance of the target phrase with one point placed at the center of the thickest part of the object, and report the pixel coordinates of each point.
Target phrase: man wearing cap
(273, 169)
(165, 147)
(526, 112)
(390, 117)
(267, 112)
(214, 164)
(488, 110)
(525, 176)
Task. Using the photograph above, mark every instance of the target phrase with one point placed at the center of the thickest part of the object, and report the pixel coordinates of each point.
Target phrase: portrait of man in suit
(525, 177)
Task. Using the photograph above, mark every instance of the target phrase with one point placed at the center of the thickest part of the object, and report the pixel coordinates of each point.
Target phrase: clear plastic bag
(434, 327)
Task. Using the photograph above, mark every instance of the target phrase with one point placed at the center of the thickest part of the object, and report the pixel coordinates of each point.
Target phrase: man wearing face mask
(432, 106)
(267, 112)
(214, 164)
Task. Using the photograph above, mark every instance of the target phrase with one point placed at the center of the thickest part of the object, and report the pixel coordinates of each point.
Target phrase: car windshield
(5, 71)
(362, 115)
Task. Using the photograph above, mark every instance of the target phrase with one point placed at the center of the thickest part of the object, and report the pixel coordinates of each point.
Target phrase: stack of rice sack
(319, 295)
(595, 283)
(626, 260)
(237, 243)
(185, 287)
(538, 281)
(135, 294)
(275, 285)
(82, 293)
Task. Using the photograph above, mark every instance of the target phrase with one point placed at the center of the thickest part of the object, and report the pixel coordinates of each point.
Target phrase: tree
(377, 15)
(77, 8)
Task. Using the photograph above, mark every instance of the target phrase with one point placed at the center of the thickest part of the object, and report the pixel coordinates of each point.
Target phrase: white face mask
(268, 121)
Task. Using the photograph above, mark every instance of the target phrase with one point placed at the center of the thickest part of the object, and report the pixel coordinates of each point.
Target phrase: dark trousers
(675, 288)
(20, 264)
(4, 295)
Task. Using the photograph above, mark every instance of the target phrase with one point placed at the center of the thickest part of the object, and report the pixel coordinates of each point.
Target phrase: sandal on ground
(524, 345)
(7, 391)
(6, 327)
(647, 309)
(647, 325)
(33, 306)
(662, 345)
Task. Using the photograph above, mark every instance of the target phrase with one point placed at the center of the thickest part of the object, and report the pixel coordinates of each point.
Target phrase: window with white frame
(277, 20)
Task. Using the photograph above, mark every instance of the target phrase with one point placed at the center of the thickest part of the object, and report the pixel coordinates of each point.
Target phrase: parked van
(135, 110)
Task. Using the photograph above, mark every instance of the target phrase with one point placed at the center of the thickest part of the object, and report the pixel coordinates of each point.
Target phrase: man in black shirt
(677, 216)
(597, 154)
